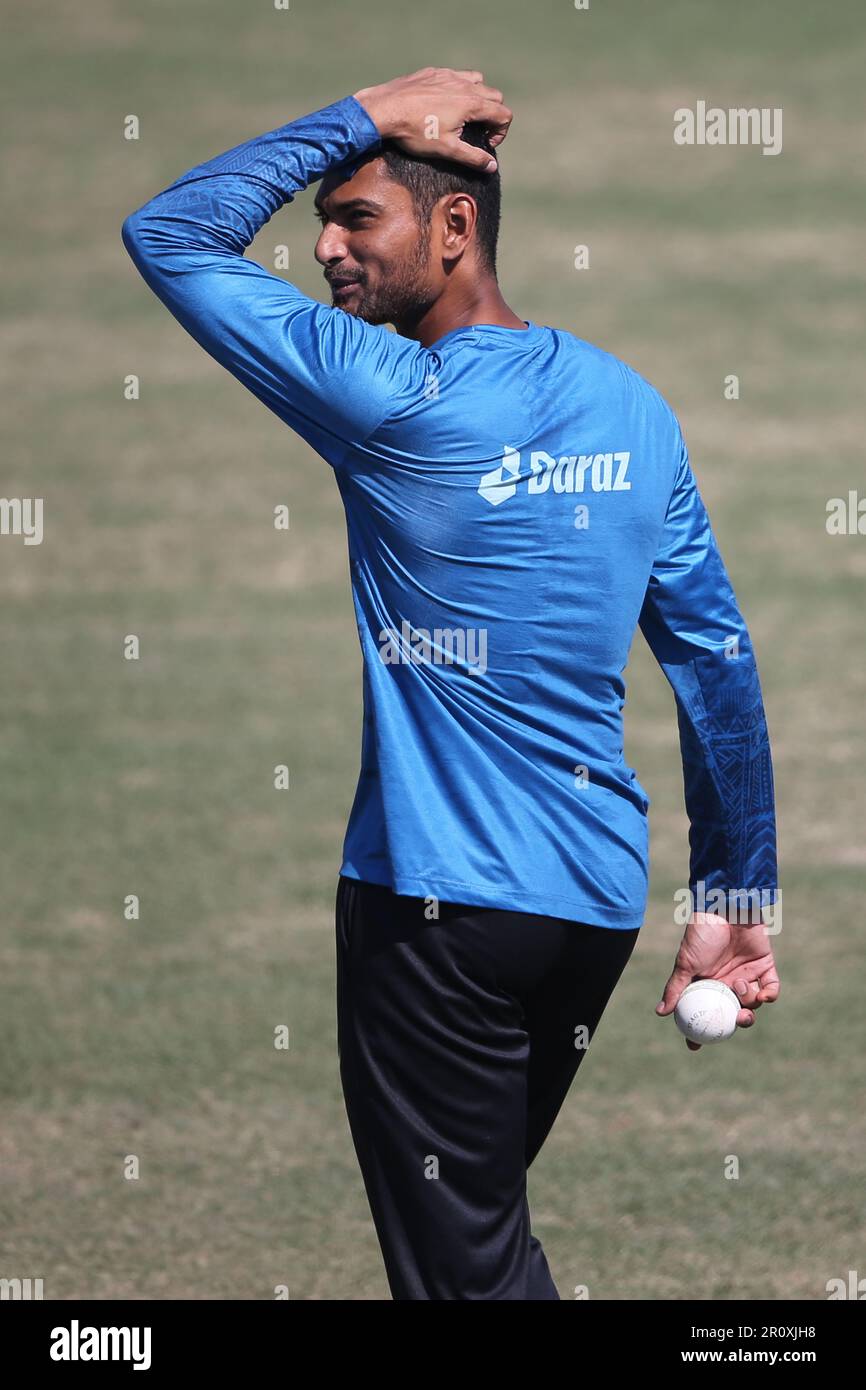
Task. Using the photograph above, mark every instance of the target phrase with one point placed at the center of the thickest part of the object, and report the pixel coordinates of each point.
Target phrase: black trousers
(458, 1038)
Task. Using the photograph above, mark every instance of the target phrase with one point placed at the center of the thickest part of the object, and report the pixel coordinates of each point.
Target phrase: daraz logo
(571, 473)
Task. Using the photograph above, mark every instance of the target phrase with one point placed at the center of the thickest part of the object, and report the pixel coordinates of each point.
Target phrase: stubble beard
(404, 297)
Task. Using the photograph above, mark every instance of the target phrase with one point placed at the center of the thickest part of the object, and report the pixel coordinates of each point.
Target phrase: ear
(458, 215)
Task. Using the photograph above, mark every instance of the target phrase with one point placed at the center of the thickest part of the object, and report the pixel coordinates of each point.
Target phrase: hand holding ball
(706, 1011)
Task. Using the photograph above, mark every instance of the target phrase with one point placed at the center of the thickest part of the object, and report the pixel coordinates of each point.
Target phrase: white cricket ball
(706, 1011)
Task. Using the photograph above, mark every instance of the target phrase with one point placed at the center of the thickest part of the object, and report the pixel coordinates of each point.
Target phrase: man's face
(376, 257)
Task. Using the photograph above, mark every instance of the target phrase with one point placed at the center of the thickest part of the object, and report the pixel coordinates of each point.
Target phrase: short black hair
(429, 179)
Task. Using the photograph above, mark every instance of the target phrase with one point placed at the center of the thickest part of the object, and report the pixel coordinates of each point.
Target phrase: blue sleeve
(694, 627)
(329, 375)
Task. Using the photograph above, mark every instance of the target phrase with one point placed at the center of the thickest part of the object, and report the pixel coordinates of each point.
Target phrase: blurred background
(155, 1037)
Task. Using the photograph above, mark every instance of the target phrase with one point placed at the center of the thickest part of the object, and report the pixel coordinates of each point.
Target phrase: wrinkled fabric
(517, 502)
(459, 1037)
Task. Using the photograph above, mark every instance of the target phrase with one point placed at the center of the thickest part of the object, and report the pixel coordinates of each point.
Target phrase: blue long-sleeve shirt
(517, 502)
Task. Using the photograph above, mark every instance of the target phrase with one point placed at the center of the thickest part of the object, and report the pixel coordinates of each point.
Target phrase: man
(517, 502)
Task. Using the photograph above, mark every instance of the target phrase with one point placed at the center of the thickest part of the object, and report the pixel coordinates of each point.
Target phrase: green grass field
(155, 1037)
